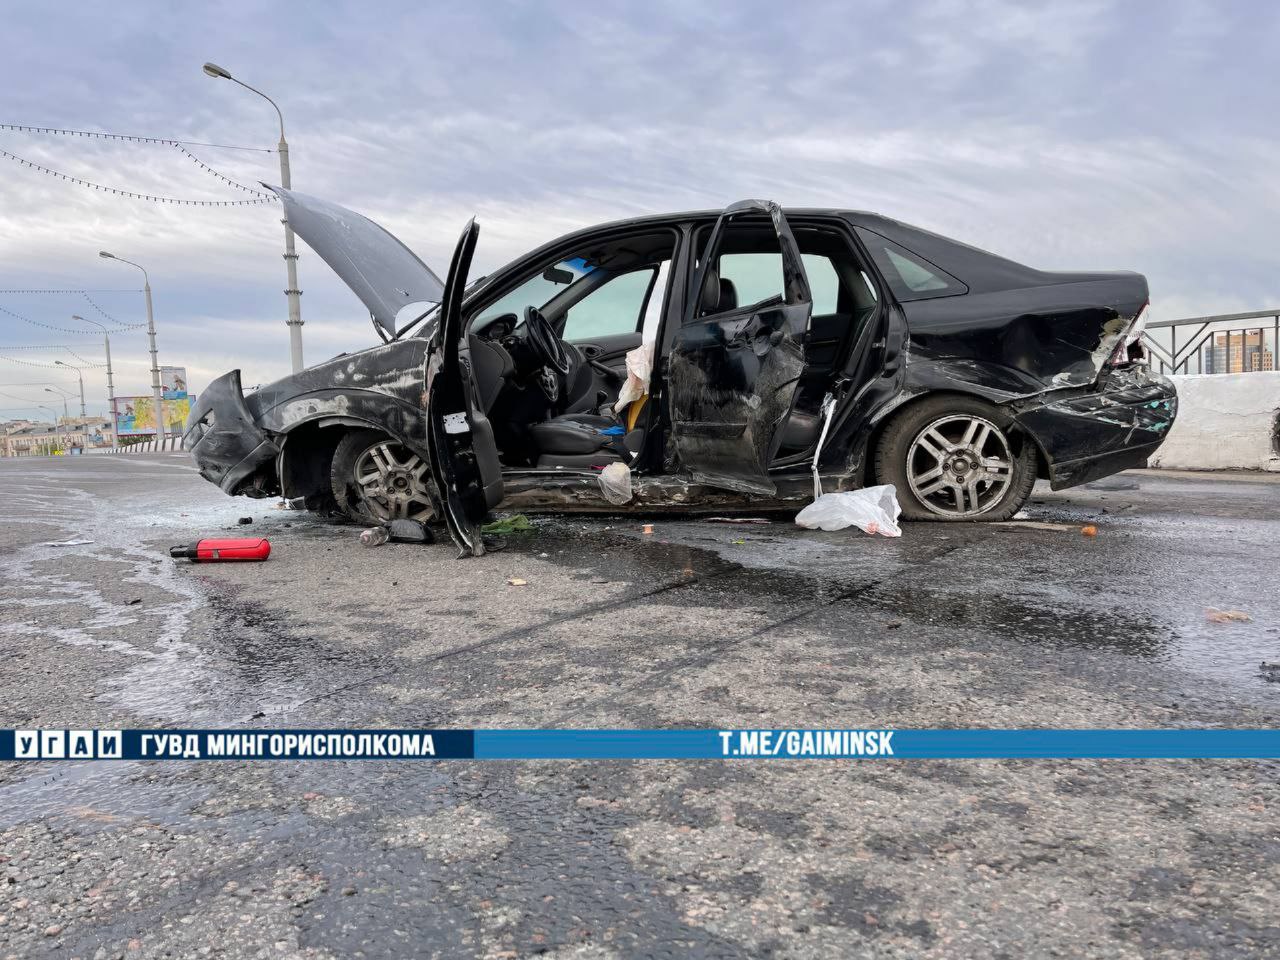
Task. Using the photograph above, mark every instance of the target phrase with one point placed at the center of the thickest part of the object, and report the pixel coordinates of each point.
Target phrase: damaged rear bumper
(228, 447)
(1086, 436)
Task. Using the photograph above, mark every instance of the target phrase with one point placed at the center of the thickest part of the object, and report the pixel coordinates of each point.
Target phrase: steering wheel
(546, 343)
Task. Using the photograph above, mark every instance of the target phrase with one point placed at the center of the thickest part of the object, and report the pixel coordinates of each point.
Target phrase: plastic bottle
(375, 536)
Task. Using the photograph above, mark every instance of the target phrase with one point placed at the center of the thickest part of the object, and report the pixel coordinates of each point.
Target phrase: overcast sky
(1085, 135)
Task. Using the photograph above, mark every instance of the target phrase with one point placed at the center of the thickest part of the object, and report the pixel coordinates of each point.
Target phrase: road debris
(410, 531)
(245, 520)
(374, 536)
(517, 582)
(216, 550)
(873, 510)
(615, 483)
(647, 529)
(517, 523)
(1089, 530)
(1215, 615)
(65, 543)
(736, 520)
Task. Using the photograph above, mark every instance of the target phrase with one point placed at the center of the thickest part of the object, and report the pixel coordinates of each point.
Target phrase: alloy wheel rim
(393, 483)
(959, 466)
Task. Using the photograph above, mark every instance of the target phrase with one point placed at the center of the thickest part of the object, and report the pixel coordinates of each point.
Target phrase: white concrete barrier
(1228, 421)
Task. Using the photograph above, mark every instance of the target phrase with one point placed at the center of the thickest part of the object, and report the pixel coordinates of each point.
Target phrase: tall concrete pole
(80, 374)
(66, 414)
(156, 391)
(291, 264)
(56, 432)
(111, 395)
(290, 251)
(111, 390)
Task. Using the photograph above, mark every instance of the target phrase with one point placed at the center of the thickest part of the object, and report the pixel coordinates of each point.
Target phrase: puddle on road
(911, 579)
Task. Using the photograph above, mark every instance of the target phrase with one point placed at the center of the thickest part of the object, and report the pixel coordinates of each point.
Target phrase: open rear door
(464, 457)
(734, 374)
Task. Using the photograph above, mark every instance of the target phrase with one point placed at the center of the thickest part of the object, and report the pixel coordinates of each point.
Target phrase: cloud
(1098, 134)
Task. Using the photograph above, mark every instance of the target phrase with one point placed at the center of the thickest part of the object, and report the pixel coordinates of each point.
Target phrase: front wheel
(956, 458)
(376, 479)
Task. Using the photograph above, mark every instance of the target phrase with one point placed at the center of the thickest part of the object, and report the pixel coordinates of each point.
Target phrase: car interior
(592, 307)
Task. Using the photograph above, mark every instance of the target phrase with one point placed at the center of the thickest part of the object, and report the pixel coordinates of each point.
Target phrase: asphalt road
(1013, 625)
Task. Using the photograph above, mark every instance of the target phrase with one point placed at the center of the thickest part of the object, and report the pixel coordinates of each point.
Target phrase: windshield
(538, 290)
(433, 309)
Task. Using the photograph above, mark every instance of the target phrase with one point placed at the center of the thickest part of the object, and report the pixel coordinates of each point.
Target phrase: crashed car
(727, 359)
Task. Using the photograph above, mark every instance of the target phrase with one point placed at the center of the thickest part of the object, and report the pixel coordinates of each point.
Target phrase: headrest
(709, 299)
(728, 295)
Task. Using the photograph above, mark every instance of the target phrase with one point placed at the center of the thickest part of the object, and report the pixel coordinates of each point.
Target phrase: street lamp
(111, 391)
(63, 363)
(156, 392)
(63, 394)
(55, 423)
(290, 254)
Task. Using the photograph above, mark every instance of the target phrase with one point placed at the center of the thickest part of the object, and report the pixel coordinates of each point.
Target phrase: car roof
(859, 217)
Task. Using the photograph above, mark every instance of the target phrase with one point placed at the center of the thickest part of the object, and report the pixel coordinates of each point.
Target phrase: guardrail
(171, 442)
(1225, 343)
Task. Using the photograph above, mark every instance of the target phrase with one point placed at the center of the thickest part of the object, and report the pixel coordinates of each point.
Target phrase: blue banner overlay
(786, 744)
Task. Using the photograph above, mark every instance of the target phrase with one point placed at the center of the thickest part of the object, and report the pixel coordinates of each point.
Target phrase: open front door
(734, 372)
(464, 457)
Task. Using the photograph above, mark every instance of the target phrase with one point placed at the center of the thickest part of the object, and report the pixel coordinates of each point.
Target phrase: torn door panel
(727, 410)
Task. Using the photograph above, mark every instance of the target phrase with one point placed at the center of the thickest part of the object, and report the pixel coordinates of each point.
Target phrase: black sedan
(724, 360)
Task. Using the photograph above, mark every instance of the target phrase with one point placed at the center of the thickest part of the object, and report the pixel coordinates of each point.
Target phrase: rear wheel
(377, 479)
(956, 458)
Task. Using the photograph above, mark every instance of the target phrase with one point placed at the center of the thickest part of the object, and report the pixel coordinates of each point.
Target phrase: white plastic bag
(871, 509)
(639, 368)
(615, 483)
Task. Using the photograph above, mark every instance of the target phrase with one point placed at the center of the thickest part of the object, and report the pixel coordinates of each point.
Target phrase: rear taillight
(1130, 349)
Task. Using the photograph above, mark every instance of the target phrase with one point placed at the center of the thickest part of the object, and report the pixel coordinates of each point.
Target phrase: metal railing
(1226, 343)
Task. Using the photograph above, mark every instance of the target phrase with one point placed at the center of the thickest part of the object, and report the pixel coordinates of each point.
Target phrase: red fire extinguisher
(215, 551)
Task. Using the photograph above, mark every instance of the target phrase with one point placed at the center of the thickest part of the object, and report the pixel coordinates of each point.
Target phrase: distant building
(1244, 352)
(71, 435)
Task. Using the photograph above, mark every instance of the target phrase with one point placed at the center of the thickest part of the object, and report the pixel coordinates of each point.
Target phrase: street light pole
(111, 390)
(55, 424)
(79, 374)
(65, 414)
(290, 251)
(156, 392)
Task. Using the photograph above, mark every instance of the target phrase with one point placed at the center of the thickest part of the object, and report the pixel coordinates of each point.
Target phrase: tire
(375, 478)
(930, 453)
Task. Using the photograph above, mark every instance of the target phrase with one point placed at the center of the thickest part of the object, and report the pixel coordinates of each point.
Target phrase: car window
(611, 309)
(657, 299)
(910, 277)
(537, 290)
(758, 276)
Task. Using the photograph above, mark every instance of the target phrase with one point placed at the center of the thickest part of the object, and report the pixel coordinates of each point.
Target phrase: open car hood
(385, 274)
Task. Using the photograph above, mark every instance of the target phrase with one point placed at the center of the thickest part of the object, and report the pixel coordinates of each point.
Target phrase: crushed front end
(228, 446)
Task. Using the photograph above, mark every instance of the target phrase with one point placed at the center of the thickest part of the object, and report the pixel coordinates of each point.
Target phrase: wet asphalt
(1025, 624)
